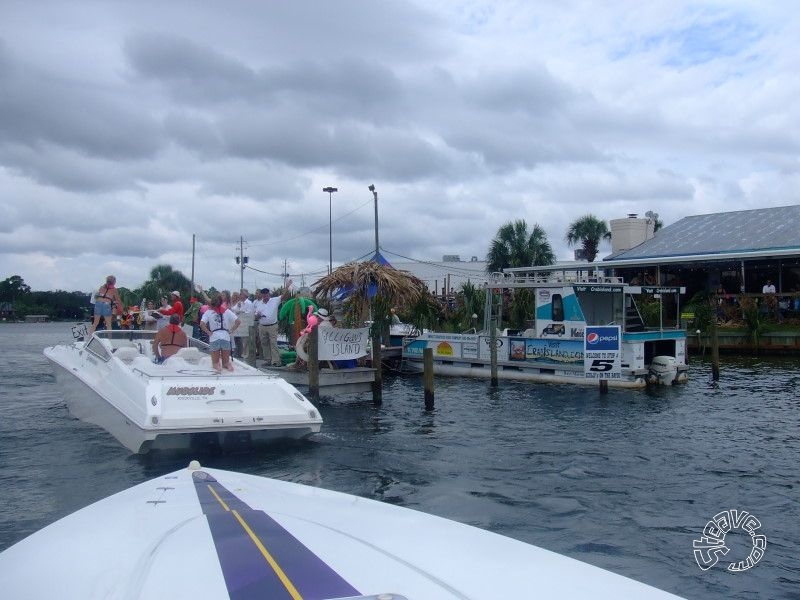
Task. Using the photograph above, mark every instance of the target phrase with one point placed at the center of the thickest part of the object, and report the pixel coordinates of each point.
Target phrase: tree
(163, 280)
(515, 246)
(13, 288)
(653, 216)
(587, 231)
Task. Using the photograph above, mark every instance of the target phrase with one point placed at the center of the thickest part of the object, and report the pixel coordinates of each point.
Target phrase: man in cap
(176, 308)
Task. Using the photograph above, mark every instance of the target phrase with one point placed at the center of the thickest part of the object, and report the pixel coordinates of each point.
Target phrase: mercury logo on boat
(191, 391)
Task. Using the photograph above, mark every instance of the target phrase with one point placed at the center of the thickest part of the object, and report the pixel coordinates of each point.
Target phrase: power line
(447, 266)
(314, 230)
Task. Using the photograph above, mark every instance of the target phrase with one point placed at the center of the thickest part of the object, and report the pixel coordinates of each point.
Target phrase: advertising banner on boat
(445, 345)
(342, 344)
(602, 347)
(551, 352)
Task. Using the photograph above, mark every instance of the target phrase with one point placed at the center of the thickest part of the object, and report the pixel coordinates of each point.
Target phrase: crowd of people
(223, 321)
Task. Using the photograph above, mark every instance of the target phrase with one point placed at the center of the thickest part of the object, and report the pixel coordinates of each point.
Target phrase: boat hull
(206, 533)
(149, 407)
(482, 370)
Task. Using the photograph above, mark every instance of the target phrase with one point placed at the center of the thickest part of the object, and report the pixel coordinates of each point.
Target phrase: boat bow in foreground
(206, 533)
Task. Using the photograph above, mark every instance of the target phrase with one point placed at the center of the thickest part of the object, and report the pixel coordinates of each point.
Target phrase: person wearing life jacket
(169, 340)
(219, 323)
(107, 302)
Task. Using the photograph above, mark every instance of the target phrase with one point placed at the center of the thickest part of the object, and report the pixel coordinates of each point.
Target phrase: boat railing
(499, 280)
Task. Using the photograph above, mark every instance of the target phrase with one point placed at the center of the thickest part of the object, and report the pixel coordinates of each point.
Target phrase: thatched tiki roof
(368, 280)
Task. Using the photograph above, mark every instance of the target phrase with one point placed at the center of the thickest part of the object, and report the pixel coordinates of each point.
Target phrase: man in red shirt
(176, 308)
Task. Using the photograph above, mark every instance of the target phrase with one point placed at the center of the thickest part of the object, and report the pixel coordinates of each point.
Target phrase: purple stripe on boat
(247, 573)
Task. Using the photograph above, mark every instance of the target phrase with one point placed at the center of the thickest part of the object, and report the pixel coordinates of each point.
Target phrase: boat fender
(300, 347)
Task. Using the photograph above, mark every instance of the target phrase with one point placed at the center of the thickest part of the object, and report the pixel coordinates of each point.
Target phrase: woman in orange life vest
(106, 302)
(219, 323)
(169, 340)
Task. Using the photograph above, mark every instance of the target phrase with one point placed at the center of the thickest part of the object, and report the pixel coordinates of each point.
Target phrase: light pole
(375, 195)
(330, 191)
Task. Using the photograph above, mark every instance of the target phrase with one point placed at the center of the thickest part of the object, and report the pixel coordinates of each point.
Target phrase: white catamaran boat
(110, 380)
(210, 534)
(583, 329)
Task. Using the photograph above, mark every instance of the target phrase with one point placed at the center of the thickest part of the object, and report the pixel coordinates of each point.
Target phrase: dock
(332, 382)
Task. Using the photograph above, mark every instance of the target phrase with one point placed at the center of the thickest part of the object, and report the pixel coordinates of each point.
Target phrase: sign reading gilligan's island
(342, 344)
(602, 355)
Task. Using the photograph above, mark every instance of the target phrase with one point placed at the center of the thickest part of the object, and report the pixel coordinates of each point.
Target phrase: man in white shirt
(771, 302)
(245, 311)
(266, 313)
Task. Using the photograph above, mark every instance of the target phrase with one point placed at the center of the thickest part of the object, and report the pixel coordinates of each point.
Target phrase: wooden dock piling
(313, 364)
(714, 339)
(427, 360)
(377, 384)
(493, 350)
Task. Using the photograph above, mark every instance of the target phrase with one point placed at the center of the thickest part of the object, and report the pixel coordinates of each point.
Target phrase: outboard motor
(663, 370)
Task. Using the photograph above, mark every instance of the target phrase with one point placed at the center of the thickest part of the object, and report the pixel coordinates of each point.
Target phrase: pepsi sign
(601, 338)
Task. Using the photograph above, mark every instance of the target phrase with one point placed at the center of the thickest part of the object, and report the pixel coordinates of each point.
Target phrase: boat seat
(127, 353)
(191, 355)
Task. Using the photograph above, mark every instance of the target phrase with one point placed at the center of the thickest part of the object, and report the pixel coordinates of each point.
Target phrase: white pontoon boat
(574, 311)
(210, 534)
(110, 380)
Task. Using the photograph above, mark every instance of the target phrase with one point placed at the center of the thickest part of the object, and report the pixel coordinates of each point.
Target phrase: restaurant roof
(753, 233)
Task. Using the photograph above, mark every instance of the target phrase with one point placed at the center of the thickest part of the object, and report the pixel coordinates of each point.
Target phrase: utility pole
(191, 291)
(241, 260)
(330, 191)
(375, 195)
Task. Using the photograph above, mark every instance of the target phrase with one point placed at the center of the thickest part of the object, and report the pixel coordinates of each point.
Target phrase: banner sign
(646, 289)
(602, 347)
(552, 352)
(342, 344)
(605, 289)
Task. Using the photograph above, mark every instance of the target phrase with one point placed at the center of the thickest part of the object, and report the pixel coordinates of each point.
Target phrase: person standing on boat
(192, 317)
(219, 323)
(267, 316)
(162, 314)
(169, 339)
(176, 308)
(148, 320)
(107, 301)
(243, 308)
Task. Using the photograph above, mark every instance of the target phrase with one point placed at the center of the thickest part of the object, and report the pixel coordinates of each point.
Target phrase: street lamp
(330, 191)
(375, 195)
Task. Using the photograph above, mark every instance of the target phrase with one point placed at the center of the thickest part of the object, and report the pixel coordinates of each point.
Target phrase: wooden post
(377, 385)
(427, 361)
(313, 364)
(714, 340)
(493, 349)
(252, 332)
(604, 386)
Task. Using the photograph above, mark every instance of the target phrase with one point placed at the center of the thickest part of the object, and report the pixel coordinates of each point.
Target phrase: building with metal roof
(738, 250)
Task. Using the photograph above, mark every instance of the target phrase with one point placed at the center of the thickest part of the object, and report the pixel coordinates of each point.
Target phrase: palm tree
(515, 246)
(588, 231)
(163, 280)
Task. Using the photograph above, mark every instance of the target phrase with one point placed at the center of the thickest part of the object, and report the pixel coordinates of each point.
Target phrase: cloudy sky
(127, 127)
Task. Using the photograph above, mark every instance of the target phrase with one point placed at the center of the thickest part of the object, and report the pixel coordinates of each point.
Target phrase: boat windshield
(117, 338)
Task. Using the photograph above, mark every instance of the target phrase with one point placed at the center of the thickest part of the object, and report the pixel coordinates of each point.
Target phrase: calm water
(624, 481)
